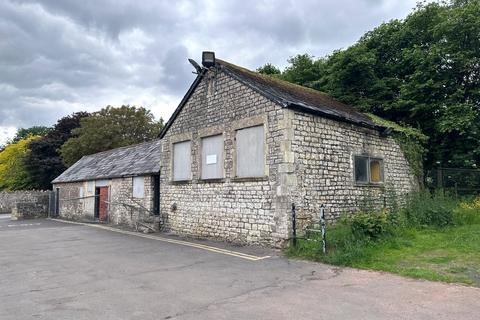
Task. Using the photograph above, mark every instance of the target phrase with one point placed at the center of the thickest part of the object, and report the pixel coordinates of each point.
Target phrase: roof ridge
(275, 79)
(118, 148)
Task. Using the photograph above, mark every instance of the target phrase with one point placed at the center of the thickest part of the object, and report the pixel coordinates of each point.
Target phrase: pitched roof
(287, 94)
(295, 96)
(139, 159)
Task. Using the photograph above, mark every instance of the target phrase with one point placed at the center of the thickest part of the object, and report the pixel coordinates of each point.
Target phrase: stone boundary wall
(9, 199)
(30, 210)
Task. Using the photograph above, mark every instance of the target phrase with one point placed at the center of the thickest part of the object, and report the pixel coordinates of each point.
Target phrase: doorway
(101, 204)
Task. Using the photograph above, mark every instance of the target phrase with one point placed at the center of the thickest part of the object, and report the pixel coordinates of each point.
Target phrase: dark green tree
(110, 128)
(23, 133)
(44, 162)
(268, 69)
(423, 71)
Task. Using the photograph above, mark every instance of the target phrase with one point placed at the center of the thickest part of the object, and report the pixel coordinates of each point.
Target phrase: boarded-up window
(376, 171)
(368, 170)
(90, 187)
(212, 157)
(138, 187)
(181, 161)
(250, 152)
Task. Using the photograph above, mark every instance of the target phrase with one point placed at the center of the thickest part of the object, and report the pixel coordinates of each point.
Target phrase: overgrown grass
(434, 237)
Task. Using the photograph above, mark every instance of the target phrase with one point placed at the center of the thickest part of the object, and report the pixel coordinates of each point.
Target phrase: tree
(23, 133)
(110, 128)
(268, 69)
(423, 71)
(13, 174)
(44, 162)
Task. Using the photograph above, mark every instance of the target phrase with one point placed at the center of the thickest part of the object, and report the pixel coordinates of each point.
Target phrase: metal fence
(458, 181)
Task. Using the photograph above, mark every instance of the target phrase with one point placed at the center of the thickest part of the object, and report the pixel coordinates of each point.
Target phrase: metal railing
(316, 232)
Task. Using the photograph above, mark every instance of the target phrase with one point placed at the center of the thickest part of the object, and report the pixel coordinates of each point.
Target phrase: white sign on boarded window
(211, 159)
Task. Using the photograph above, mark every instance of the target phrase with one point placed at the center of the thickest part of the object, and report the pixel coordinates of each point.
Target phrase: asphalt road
(53, 270)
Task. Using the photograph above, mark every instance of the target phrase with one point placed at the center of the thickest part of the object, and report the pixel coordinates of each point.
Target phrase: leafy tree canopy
(423, 71)
(269, 69)
(13, 174)
(110, 128)
(23, 133)
(44, 162)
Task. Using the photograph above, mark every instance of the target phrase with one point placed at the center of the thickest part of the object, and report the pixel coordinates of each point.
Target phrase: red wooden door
(103, 205)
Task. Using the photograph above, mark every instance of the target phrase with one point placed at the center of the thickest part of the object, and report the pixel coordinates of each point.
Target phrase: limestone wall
(9, 199)
(123, 209)
(324, 153)
(237, 210)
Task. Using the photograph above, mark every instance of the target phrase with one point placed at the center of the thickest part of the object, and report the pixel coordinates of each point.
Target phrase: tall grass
(355, 237)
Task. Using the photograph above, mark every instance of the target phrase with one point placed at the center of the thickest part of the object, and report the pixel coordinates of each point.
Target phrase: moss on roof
(293, 95)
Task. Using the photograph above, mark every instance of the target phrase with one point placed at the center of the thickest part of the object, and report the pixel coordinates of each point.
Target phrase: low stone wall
(9, 199)
(30, 210)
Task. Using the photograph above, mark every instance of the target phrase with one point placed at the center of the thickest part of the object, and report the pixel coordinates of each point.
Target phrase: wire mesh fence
(457, 181)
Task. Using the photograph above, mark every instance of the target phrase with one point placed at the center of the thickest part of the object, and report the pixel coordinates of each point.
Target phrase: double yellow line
(174, 241)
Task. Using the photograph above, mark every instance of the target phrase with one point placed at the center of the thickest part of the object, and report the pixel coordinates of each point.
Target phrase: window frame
(172, 162)
(264, 174)
(369, 176)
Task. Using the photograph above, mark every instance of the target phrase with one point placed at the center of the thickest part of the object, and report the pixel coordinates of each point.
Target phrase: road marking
(179, 242)
(21, 225)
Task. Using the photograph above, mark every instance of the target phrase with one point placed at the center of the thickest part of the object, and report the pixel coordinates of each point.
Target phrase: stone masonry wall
(236, 210)
(9, 199)
(30, 210)
(120, 193)
(324, 152)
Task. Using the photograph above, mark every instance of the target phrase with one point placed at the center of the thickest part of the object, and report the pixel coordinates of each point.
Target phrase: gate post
(324, 229)
(294, 225)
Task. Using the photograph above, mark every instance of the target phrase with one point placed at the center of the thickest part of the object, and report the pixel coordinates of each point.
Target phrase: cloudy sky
(62, 56)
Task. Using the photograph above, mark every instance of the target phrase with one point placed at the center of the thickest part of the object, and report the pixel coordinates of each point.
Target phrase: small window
(138, 187)
(181, 161)
(368, 170)
(250, 152)
(212, 157)
(90, 187)
(361, 169)
(80, 194)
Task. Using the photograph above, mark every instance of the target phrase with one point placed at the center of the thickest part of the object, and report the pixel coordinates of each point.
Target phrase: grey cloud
(57, 57)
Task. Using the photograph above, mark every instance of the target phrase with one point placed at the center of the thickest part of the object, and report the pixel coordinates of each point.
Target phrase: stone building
(238, 151)
(119, 186)
(242, 147)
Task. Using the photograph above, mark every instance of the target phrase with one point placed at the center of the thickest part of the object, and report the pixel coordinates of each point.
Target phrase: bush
(426, 209)
(371, 225)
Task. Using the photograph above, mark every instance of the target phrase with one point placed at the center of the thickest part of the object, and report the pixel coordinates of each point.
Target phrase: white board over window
(138, 187)
(212, 157)
(250, 152)
(181, 161)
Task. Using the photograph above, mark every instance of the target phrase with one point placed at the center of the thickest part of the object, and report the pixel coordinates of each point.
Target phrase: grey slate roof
(139, 159)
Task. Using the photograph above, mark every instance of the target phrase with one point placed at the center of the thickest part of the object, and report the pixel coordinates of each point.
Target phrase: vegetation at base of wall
(434, 237)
